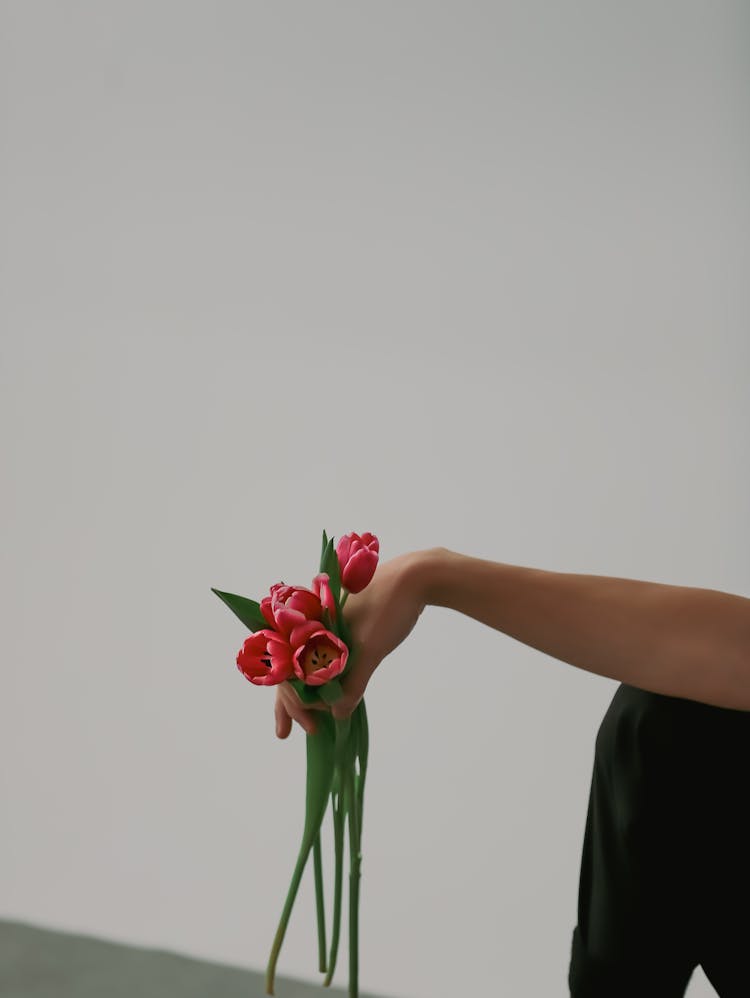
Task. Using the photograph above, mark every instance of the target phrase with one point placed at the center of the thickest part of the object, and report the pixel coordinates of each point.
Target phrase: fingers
(289, 707)
(354, 686)
(292, 709)
(289, 691)
(283, 720)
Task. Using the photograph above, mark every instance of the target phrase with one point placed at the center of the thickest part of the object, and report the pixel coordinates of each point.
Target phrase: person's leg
(634, 935)
(661, 975)
(726, 964)
(724, 952)
(627, 943)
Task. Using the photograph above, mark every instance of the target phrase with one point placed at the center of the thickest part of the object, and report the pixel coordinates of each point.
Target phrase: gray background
(468, 274)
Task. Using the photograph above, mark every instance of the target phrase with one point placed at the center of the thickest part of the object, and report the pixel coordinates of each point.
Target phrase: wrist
(431, 573)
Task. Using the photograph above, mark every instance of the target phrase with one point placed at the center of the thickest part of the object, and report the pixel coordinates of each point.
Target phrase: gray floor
(41, 963)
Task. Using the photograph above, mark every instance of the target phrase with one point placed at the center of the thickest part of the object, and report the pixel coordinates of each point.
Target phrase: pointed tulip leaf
(336, 573)
(325, 555)
(331, 566)
(248, 610)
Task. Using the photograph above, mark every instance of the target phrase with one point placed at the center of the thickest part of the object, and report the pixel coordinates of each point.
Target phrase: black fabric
(665, 866)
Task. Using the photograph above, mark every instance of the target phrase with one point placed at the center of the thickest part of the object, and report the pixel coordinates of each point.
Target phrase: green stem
(355, 858)
(343, 728)
(363, 750)
(284, 920)
(320, 765)
(320, 903)
(339, 817)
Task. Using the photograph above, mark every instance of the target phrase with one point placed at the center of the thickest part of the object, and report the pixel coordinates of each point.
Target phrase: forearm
(675, 640)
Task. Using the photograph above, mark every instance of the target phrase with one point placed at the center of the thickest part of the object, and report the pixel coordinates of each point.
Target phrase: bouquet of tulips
(300, 636)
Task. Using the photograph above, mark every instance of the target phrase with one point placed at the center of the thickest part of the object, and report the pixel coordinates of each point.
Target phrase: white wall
(459, 273)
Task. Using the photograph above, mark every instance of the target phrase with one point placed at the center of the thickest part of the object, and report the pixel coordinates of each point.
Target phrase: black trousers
(665, 866)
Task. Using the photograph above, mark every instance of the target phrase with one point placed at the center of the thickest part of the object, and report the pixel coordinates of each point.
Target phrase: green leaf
(307, 694)
(323, 552)
(332, 567)
(248, 610)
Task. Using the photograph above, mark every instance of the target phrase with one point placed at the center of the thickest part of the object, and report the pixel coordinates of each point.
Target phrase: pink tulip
(289, 606)
(358, 559)
(319, 656)
(322, 589)
(266, 658)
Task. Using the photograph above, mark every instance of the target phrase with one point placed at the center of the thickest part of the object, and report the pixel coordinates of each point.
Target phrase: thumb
(353, 686)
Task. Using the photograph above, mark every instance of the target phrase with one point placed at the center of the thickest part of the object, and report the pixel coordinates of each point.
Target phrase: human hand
(379, 617)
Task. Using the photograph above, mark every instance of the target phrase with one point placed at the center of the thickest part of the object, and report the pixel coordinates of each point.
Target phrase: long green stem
(339, 817)
(355, 858)
(363, 750)
(333, 755)
(320, 765)
(286, 912)
(343, 728)
(320, 903)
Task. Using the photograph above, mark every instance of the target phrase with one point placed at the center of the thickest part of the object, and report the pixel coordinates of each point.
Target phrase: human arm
(675, 640)
(679, 641)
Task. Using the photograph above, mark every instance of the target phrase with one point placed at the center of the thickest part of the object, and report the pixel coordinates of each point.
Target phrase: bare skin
(679, 641)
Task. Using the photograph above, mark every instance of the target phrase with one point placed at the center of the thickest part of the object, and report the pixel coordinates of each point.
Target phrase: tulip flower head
(301, 636)
(358, 559)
